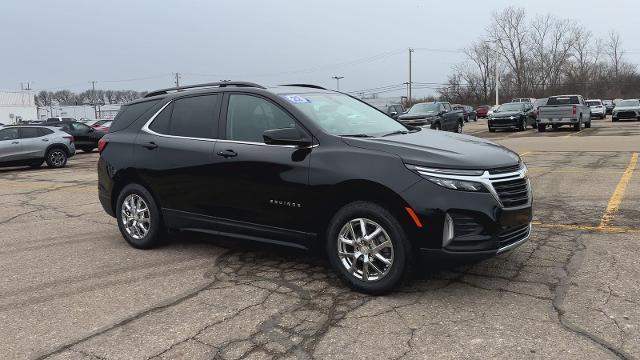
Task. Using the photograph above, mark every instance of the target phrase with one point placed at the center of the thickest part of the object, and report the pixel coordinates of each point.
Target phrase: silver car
(29, 145)
(598, 108)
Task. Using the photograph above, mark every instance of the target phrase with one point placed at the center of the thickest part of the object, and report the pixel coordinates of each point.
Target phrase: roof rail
(206, 85)
(305, 85)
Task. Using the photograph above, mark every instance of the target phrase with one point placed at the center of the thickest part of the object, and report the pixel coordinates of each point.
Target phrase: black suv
(302, 166)
(435, 115)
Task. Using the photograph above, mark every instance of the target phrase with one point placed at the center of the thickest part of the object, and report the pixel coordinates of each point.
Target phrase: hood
(417, 116)
(441, 149)
(503, 114)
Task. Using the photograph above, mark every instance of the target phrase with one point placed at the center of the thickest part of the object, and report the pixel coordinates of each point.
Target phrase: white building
(16, 106)
(105, 112)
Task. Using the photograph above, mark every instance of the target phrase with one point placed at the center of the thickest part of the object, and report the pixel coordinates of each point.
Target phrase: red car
(482, 110)
(102, 125)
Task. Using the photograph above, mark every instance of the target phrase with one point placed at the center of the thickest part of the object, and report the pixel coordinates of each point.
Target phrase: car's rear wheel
(578, 125)
(56, 158)
(542, 128)
(459, 127)
(587, 125)
(368, 248)
(523, 125)
(139, 218)
(492, 130)
(437, 126)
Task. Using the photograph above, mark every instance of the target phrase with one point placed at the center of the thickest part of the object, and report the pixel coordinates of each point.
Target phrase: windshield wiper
(356, 135)
(397, 132)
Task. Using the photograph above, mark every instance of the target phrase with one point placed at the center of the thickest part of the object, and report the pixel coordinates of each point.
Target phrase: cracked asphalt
(73, 289)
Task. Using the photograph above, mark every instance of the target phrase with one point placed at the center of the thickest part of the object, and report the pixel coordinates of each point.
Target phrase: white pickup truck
(564, 110)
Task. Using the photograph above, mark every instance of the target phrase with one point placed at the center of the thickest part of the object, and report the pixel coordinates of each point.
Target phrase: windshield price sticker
(297, 99)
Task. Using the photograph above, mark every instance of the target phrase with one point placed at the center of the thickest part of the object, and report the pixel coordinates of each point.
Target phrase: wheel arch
(124, 178)
(56, 146)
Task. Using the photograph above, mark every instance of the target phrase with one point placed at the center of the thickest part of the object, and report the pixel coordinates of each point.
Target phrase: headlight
(447, 178)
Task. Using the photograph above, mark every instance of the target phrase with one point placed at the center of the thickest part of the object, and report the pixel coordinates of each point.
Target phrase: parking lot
(73, 289)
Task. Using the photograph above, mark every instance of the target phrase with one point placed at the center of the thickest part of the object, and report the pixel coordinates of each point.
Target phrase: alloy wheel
(136, 217)
(57, 158)
(365, 249)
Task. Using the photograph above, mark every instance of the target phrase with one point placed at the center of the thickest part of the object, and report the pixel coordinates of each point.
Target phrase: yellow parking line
(618, 193)
(602, 229)
(525, 153)
(578, 132)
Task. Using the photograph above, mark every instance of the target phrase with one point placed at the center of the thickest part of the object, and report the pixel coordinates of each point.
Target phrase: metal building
(16, 106)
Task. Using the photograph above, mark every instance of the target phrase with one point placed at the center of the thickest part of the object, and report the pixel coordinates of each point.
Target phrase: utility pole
(93, 98)
(338, 81)
(407, 97)
(177, 81)
(497, 82)
(411, 50)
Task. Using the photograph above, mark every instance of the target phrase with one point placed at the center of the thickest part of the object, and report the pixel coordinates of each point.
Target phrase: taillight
(102, 144)
(70, 138)
(574, 109)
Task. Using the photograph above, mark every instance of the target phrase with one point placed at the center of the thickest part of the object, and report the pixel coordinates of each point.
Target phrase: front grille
(504, 170)
(513, 235)
(626, 114)
(512, 192)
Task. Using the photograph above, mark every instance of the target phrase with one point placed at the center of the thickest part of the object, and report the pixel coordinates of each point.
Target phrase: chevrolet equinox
(302, 166)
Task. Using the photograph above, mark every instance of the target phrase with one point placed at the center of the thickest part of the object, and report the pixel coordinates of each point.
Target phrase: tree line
(539, 57)
(88, 97)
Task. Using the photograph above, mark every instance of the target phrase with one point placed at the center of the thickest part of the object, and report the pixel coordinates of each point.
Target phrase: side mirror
(286, 136)
(394, 113)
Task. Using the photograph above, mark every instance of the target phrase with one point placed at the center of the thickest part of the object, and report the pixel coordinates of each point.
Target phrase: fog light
(447, 230)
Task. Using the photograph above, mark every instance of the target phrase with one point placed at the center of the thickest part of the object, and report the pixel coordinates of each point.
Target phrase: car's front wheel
(368, 248)
(459, 127)
(139, 218)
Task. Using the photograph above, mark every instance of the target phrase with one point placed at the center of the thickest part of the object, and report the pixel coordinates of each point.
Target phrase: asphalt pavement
(73, 289)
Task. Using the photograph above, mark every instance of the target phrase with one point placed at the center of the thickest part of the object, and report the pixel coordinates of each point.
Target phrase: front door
(264, 185)
(10, 145)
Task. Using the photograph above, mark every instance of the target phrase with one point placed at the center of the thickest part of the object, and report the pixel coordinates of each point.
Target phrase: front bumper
(503, 123)
(417, 122)
(482, 227)
(628, 114)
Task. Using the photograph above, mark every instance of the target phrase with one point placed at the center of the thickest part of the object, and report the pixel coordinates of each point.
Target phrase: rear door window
(195, 116)
(29, 132)
(8, 134)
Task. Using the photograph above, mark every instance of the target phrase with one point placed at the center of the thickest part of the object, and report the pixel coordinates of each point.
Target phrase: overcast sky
(129, 44)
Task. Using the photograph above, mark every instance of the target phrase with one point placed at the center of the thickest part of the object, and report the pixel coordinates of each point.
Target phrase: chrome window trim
(485, 179)
(146, 129)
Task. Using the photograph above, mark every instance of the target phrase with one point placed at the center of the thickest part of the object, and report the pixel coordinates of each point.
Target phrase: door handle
(45, 139)
(15, 142)
(227, 153)
(150, 145)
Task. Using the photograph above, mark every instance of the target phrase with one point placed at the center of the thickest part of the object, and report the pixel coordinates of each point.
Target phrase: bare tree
(509, 32)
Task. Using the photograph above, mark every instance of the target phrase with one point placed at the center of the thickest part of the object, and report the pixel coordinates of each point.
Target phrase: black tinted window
(44, 132)
(250, 116)
(9, 134)
(161, 123)
(194, 116)
(80, 126)
(29, 132)
(128, 114)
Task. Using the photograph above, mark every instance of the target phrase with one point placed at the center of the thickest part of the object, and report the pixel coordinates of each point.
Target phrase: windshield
(593, 103)
(423, 108)
(339, 114)
(629, 103)
(510, 107)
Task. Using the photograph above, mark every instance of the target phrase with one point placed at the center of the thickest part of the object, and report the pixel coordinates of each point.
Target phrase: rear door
(10, 145)
(265, 185)
(175, 155)
(33, 143)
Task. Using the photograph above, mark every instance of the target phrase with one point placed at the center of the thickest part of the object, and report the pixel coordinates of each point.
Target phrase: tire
(36, 164)
(134, 231)
(578, 126)
(459, 127)
(542, 128)
(523, 125)
(56, 158)
(614, 119)
(437, 126)
(587, 125)
(399, 252)
(492, 130)
(87, 148)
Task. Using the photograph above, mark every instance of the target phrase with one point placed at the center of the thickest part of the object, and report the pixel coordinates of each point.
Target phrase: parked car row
(437, 115)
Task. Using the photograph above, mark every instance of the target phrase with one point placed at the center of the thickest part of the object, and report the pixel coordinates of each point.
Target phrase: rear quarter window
(128, 114)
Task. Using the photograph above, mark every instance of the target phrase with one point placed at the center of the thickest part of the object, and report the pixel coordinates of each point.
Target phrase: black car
(471, 112)
(435, 115)
(514, 115)
(310, 168)
(85, 137)
(393, 110)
